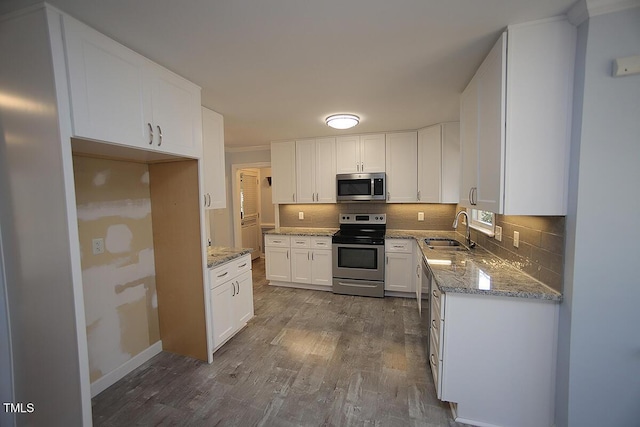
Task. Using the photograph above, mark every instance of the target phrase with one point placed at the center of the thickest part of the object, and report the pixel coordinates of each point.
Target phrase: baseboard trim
(301, 286)
(117, 374)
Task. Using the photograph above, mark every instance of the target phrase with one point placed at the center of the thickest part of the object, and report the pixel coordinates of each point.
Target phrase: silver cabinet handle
(387, 260)
(388, 195)
(240, 266)
(234, 289)
(150, 133)
(224, 274)
(277, 241)
(311, 256)
(205, 200)
(159, 136)
(287, 254)
(418, 194)
(293, 196)
(431, 358)
(433, 324)
(238, 283)
(435, 294)
(362, 166)
(308, 256)
(398, 246)
(358, 167)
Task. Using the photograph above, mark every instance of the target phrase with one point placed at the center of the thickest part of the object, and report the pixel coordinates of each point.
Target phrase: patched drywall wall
(114, 203)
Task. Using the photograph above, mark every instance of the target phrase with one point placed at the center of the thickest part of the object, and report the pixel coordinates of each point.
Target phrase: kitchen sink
(441, 243)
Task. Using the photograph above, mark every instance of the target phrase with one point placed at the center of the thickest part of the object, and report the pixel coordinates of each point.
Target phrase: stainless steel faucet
(468, 233)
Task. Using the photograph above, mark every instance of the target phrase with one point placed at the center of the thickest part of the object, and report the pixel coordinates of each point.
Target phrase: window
(483, 221)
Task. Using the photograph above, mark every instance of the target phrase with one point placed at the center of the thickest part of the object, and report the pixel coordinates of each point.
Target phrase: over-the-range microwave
(360, 187)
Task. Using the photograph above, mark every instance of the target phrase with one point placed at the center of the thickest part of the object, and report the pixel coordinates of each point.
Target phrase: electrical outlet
(420, 216)
(516, 239)
(97, 246)
(498, 233)
(300, 215)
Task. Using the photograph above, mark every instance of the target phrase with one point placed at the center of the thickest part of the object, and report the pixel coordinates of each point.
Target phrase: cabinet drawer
(277, 240)
(300, 242)
(221, 274)
(241, 265)
(399, 245)
(321, 242)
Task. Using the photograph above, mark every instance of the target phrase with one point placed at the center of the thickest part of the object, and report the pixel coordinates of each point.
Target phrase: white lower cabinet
(231, 298)
(400, 268)
(302, 260)
(494, 357)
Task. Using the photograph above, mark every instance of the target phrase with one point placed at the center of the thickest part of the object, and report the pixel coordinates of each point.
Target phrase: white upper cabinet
(516, 122)
(283, 172)
(215, 194)
(402, 167)
(356, 154)
(439, 163)
(316, 170)
(118, 96)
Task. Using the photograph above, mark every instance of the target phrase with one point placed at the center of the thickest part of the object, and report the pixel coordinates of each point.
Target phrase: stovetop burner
(362, 229)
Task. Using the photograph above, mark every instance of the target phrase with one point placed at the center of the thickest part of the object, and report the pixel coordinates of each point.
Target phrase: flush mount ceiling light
(342, 121)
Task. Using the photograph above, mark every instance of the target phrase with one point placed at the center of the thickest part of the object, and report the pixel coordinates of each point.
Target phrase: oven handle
(349, 245)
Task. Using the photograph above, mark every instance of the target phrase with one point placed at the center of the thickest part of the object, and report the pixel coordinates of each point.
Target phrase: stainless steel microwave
(360, 187)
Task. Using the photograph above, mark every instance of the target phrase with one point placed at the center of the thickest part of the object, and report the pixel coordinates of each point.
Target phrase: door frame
(235, 192)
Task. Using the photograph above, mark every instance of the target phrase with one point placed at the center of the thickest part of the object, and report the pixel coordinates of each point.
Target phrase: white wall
(599, 337)
(267, 207)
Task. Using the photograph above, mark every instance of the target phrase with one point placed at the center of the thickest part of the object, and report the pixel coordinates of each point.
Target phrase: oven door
(359, 262)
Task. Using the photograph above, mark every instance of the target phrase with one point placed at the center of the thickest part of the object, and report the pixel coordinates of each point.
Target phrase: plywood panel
(175, 213)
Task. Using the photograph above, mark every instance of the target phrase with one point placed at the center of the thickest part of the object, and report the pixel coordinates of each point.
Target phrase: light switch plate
(300, 215)
(516, 239)
(498, 233)
(420, 216)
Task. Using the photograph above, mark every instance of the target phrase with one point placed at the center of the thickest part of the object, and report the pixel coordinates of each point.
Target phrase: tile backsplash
(399, 216)
(541, 250)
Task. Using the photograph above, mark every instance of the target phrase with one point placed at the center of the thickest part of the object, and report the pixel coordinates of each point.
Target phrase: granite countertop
(217, 255)
(476, 271)
(301, 231)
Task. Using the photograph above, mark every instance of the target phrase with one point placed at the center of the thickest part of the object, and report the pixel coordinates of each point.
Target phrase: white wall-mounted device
(626, 66)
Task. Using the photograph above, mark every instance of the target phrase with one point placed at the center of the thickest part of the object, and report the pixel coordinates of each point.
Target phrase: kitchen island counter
(475, 271)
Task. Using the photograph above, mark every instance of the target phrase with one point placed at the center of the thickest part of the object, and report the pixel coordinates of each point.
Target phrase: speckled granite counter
(475, 271)
(300, 231)
(217, 255)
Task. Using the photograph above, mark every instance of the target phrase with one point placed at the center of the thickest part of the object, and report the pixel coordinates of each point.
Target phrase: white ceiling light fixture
(342, 121)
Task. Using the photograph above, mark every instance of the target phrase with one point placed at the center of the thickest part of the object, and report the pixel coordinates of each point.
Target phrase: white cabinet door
(325, 170)
(450, 183)
(176, 112)
(106, 87)
(243, 299)
(305, 171)
(278, 264)
(372, 153)
(402, 167)
(321, 268)
(468, 143)
(213, 158)
(348, 154)
(283, 172)
(429, 164)
(491, 122)
(301, 265)
(399, 271)
(222, 316)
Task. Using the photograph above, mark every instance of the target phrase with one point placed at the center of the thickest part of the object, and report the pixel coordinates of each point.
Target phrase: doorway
(253, 209)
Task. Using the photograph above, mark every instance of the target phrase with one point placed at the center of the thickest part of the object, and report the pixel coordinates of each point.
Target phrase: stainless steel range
(358, 255)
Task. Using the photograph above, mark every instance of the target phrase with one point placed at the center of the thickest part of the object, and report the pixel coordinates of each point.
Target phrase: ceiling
(276, 68)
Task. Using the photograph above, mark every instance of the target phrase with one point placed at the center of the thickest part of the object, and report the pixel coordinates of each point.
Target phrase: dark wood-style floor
(307, 358)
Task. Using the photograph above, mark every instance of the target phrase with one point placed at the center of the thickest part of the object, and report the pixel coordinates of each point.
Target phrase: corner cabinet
(360, 153)
(120, 97)
(439, 163)
(515, 119)
(231, 298)
(283, 172)
(215, 193)
(402, 167)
